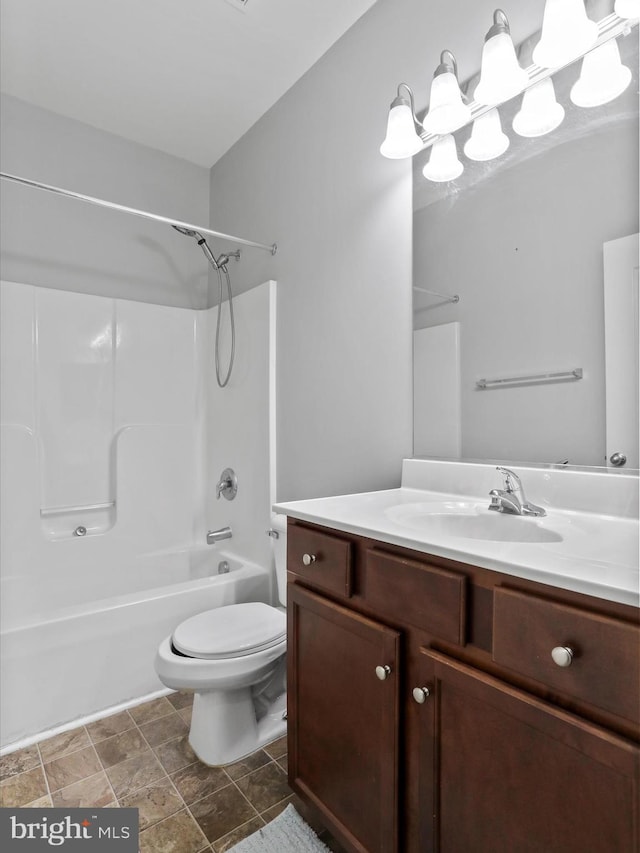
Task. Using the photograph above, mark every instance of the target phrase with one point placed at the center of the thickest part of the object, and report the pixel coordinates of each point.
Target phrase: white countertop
(588, 552)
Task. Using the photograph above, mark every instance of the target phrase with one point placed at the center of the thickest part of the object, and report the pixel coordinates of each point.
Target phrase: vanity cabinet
(504, 771)
(343, 745)
(426, 712)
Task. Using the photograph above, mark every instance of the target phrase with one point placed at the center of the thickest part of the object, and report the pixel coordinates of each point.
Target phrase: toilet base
(224, 727)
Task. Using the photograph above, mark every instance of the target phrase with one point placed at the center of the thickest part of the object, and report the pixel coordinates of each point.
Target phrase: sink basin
(499, 528)
(467, 520)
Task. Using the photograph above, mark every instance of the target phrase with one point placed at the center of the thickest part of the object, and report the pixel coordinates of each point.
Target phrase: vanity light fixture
(487, 140)
(567, 33)
(540, 113)
(603, 77)
(402, 139)
(501, 76)
(627, 8)
(447, 111)
(443, 164)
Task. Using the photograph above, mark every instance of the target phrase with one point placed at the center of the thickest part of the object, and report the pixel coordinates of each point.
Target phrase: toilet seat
(232, 631)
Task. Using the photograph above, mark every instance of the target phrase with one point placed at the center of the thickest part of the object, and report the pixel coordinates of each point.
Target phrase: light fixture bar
(609, 28)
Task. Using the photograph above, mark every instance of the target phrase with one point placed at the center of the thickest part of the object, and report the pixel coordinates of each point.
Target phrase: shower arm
(273, 248)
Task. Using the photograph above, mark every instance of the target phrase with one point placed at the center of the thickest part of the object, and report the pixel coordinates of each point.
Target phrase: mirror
(519, 240)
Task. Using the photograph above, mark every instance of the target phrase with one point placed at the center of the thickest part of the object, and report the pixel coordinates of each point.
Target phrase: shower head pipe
(223, 259)
(177, 223)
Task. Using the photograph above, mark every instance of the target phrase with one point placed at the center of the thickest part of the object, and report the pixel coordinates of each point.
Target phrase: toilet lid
(231, 631)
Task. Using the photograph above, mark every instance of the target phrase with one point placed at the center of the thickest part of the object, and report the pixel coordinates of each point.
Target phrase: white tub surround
(240, 424)
(105, 416)
(587, 542)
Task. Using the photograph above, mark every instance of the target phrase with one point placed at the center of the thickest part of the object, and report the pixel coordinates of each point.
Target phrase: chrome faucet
(512, 499)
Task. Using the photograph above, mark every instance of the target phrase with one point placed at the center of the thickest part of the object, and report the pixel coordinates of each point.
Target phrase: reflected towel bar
(537, 378)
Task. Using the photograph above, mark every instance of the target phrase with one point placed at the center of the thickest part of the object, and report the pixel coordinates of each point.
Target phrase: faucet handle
(512, 482)
(227, 484)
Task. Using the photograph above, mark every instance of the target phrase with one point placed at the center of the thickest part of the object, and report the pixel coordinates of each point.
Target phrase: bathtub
(70, 661)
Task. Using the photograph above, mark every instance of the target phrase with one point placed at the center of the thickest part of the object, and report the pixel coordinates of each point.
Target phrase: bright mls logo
(85, 830)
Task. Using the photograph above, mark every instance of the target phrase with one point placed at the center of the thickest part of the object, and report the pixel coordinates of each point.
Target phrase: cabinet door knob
(307, 559)
(420, 694)
(562, 655)
(383, 671)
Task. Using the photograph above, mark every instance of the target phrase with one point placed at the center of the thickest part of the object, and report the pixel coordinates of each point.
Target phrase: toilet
(233, 659)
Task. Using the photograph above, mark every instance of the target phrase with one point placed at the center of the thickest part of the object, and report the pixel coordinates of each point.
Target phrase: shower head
(188, 232)
(220, 266)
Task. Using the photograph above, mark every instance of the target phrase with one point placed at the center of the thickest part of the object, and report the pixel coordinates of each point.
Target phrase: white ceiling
(188, 77)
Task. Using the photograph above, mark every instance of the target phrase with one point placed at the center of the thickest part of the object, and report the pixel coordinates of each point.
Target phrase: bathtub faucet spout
(214, 536)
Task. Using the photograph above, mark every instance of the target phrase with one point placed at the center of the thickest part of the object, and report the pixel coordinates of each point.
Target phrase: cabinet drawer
(425, 596)
(320, 558)
(605, 668)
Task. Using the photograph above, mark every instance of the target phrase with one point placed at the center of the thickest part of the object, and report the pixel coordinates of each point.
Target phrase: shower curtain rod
(135, 212)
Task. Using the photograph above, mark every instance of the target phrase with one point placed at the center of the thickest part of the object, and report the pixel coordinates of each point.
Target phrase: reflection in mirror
(519, 240)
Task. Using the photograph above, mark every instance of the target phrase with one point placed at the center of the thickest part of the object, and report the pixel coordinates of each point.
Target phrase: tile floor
(140, 758)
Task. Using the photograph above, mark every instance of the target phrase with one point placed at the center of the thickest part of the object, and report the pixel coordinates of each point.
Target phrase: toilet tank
(279, 545)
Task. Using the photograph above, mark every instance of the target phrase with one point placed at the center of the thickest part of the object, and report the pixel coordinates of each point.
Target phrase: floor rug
(287, 833)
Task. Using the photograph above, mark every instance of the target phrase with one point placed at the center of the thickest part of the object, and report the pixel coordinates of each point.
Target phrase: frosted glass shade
(540, 113)
(443, 162)
(487, 139)
(603, 77)
(401, 139)
(446, 110)
(627, 8)
(501, 76)
(567, 33)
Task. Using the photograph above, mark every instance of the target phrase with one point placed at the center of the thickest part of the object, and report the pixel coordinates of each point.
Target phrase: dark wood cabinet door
(343, 719)
(503, 772)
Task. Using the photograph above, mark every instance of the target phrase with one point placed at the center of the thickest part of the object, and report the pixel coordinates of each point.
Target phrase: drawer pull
(383, 671)
(420, 694)
(307, 559)
(562, 655)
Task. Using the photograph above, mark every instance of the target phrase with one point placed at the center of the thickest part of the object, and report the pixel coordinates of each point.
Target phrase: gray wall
(56, 242)
(309, 175)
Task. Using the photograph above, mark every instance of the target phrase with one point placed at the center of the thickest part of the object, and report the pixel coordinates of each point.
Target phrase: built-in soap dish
(77, 522)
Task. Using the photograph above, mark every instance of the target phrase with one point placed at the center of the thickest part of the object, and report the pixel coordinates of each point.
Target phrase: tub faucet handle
(227, 485)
